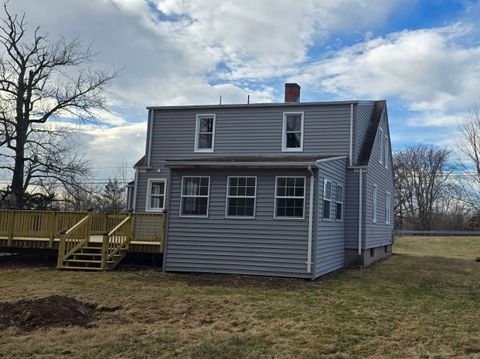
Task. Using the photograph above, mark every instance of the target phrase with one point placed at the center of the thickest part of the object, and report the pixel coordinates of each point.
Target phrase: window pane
(339, 194)
(289, 207)
(158, 188)
(294, 123)
(251, 191)
(293, 140)
(191, 186)
(206, 125)
(339, 211)
(251, 182)
(326, 209)
(328, 190)
(195, 206)
(156, 202)
(205, 141)
(243, 207)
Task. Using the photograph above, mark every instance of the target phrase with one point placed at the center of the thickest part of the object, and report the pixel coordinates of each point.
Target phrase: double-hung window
(289, 197)
(205, 133)
(327, 199)
(292, 136)
(156, 195)
(195, 191)
(388, 208)
(382, 148)
(374, 199)
(241, 192)
(385, 152)
(339, 209)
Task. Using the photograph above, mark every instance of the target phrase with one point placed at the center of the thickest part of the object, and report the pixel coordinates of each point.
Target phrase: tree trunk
(17, 186)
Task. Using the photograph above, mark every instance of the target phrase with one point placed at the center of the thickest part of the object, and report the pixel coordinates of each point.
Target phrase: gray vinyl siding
(251, 131)
(363, 114)
(330, 234)
(260, 246)
(351, 207)
(380, 233)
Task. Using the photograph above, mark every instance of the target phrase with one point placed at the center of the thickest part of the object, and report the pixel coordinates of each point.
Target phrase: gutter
(360, 211)
(310, 221)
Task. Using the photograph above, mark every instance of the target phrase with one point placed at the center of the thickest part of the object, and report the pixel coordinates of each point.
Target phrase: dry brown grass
(406, 307)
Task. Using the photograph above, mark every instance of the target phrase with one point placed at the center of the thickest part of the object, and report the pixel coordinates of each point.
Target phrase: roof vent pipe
(292, 92)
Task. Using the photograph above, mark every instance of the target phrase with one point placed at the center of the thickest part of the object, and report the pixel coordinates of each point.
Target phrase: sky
(423, 57)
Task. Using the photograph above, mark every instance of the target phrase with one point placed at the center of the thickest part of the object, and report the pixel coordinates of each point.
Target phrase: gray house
(290, 189)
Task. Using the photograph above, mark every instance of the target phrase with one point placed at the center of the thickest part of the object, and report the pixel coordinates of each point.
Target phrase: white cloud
(431, 69)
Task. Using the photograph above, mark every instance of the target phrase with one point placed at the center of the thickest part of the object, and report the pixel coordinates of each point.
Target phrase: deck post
(61, 250)
(162, 231)
(104, 251)
(52, 229)
(11, 228)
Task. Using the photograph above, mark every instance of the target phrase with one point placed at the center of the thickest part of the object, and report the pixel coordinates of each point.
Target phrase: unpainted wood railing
(73, 239)
(18, 224)
(116, 240)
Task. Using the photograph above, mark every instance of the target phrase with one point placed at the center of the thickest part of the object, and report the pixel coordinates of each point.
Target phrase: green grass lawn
(423, 302)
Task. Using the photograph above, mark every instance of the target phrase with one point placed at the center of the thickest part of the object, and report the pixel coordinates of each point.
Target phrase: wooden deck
(70, 232)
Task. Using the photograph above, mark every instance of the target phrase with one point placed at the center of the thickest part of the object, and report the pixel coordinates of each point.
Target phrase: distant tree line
(436, 190)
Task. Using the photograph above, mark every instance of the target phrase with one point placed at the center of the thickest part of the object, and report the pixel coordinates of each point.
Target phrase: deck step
(87, 254)
(98, 269)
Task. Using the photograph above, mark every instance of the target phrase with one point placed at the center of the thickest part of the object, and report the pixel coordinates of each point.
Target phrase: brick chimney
(292, 92)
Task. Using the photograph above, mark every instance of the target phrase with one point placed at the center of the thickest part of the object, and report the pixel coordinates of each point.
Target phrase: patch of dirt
(53, 311)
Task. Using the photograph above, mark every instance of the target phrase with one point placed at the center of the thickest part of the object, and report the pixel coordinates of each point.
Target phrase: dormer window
(292, 137)
(205, 133)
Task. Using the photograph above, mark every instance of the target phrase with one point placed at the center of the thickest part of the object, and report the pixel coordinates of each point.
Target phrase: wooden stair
(77, 250)
(89, 257)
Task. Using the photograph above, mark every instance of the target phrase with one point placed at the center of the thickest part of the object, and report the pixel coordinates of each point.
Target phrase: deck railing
(74, 238)
(116, 240)
(16, 224)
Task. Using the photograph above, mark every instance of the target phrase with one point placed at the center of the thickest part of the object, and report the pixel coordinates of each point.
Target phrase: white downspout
(310, 221)
(360, 211)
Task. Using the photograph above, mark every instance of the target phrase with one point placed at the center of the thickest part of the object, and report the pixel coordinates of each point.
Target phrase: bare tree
(52, 162)
(40, 80)
(422, 174)
(469, 144)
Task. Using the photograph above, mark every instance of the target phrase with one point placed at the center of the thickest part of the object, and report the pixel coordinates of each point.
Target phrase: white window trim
(337, 201)
(374, 200)
(325, 182)
(150, 181)
(294, 197)
(388, 208)
(386, 151)
(202, 196)
(228, 197)
(197, 132)
(381, 145)
(284, 135)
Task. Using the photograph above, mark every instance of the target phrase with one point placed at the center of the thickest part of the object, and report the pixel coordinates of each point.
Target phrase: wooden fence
(145, 227)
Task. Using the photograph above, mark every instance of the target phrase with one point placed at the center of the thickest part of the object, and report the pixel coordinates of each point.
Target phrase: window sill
(292, 149)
